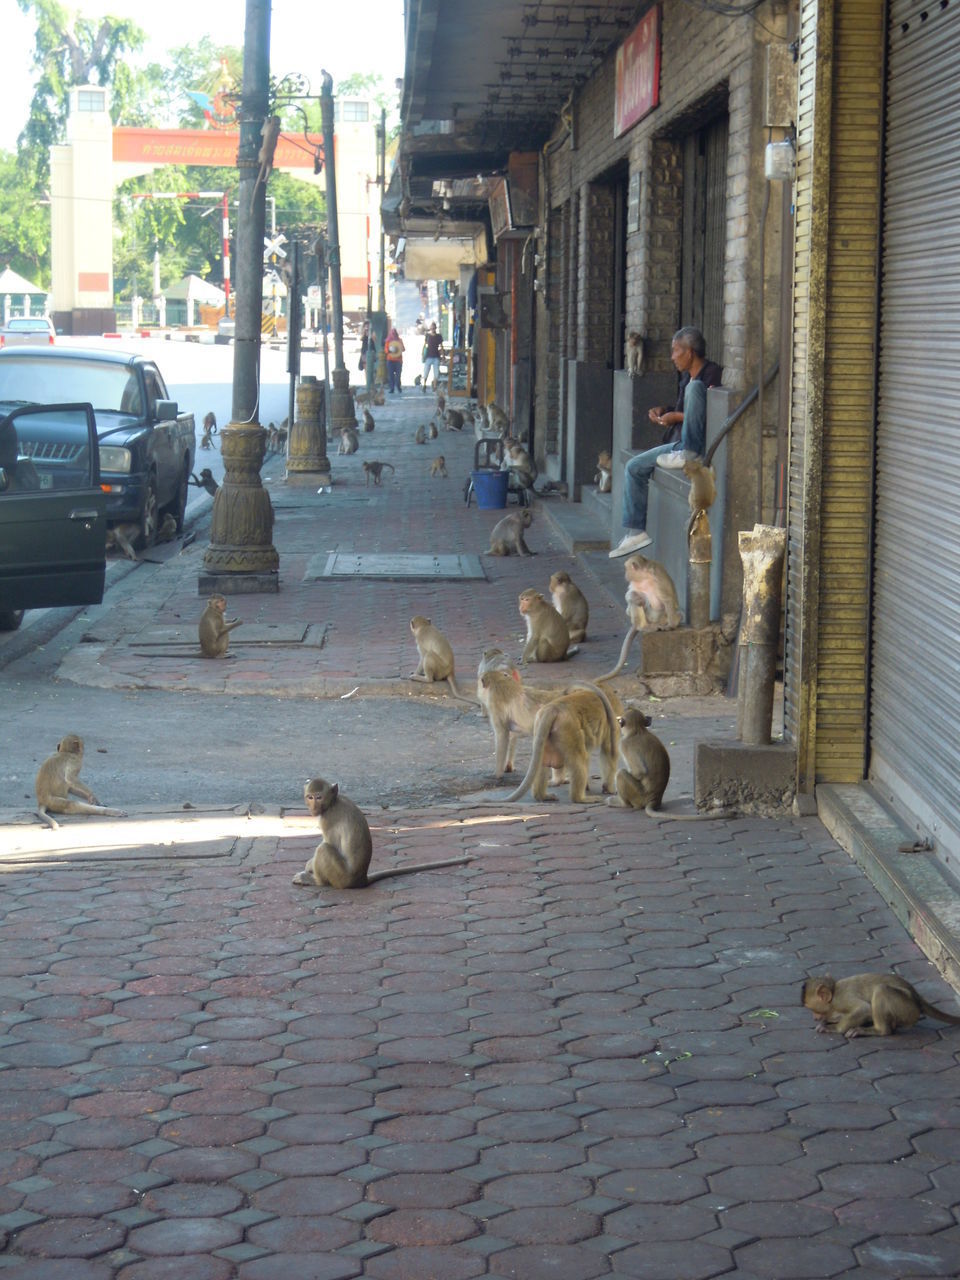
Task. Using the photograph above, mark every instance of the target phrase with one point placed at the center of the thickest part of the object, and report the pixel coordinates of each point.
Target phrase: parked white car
(21, 331)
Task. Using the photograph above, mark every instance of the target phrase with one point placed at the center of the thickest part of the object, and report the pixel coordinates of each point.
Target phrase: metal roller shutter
(915, 671)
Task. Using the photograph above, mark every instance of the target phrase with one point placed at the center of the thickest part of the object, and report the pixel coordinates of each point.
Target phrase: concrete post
(762, 551)
(241, 556)
(700, 552)
(341, 401)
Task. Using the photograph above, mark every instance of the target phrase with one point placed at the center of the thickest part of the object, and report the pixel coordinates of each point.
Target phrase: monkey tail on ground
(622, 660)
(417, 866)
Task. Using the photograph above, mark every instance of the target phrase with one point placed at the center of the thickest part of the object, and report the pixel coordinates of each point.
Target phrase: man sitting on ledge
(685, 434)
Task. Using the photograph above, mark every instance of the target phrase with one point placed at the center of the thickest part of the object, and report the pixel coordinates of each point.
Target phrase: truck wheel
(10, 619)
(149, 514)
(178, 508)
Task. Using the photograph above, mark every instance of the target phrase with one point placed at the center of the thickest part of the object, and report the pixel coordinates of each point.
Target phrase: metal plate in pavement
(407, 566)
(251, 633)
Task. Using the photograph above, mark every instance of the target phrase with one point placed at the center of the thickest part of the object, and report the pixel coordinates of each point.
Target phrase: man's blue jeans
(637, 473)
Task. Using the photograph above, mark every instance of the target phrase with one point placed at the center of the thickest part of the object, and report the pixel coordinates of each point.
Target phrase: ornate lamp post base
(241, 557)
(341, 401)
(307, 461)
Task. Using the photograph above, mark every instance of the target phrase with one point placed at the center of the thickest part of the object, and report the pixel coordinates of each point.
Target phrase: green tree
(24, 224)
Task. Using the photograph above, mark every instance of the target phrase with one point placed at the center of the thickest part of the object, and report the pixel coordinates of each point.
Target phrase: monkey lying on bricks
(651, 604)
(58, 781)
(571, 604)
(565, 731)
(341, 861)
(868, 1004)
(645, 771)
(436, 655)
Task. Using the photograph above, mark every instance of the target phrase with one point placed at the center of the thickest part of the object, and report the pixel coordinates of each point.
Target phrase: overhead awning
(429, 259)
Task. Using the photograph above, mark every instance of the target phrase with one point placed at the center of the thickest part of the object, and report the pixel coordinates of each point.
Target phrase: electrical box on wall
(779, 87)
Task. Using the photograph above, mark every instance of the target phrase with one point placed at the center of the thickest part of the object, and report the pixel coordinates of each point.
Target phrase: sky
(342, 38)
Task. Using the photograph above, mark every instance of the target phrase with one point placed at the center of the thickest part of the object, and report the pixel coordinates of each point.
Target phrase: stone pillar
(307, 444)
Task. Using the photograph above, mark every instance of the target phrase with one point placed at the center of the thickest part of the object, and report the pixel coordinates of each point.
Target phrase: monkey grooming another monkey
(375, 469)
(209, 430)
(506, 536)
(438, 467)
(341, 861)
(565, 732)
(368, 422)
(349, 441)
(215, 628)
(548, 637)
(58, 781)
(436, 655)
(604, 477)
(868, 1004)
(651, 604)
(570, 602)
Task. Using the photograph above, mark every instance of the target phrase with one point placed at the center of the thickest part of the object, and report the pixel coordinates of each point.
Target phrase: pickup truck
(146, 446)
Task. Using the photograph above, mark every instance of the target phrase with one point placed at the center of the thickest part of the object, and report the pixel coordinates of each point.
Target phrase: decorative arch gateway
(83, 173)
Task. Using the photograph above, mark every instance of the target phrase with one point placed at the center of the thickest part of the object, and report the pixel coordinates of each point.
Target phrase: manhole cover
(251, 633)
(424, 567)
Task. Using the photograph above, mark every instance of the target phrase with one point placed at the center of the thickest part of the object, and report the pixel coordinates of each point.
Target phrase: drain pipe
(762, 551)
(699, 554)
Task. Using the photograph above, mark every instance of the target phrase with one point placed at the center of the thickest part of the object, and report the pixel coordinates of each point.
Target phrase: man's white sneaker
(673, 461)
(630, 542)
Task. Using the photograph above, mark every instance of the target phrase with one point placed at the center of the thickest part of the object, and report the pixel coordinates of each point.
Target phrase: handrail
(741, 409)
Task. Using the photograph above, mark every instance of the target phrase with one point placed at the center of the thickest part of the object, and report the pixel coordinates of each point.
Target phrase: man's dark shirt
(711, 374)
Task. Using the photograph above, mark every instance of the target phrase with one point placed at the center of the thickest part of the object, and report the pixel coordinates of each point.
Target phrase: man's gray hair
(691, 338)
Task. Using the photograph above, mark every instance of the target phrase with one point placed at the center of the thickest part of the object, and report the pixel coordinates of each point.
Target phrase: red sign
(205, 147)
(638, 73)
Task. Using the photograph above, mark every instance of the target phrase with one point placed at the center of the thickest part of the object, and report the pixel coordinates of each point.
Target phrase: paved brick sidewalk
(580, 1055)
(365, 625)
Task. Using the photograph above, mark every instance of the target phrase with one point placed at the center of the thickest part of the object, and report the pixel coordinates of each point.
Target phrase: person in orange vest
(394, 350)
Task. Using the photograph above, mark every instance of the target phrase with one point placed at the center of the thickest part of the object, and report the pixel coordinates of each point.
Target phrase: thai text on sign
(638, 73)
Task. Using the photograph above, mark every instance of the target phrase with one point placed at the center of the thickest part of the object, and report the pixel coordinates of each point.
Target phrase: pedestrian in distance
(394, 349)
(432, 347)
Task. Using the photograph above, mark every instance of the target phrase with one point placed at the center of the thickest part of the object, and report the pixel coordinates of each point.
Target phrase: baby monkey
(375, 469)
(58, 781)
(341, 861)
(438, 467)
(868, 1004)
(604, 477)
(215, 628)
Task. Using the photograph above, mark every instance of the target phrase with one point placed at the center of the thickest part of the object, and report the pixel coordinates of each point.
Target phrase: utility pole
(341, 401)
(241, 556)
(381, 326)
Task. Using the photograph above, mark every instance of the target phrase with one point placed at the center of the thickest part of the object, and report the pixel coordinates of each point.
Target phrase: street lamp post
(341, 401)
(241, 556)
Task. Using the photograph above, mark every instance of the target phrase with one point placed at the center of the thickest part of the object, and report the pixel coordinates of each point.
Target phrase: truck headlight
(113, 458)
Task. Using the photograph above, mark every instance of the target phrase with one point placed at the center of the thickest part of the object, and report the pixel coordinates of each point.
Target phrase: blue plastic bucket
(491, 488)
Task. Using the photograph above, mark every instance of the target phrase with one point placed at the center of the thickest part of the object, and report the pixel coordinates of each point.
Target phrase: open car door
(52, 510)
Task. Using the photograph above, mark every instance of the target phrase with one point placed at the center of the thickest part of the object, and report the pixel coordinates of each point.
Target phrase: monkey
(349, 441)
(375, 469)
(645, 771)
(209, 430)
(493, 660)
(506, 536)
(436, 655)
(277, 437)
(868, 1004)
(438, 467)
(215, 628)
(206, 481)
(441, 404)
(497, 419)
(651, 604)
(122, 537)
(364, 397)
(570, 602)
(368, 422)
(58, 780)
(168, 528)
(420, 436)
(341, 861)
(634, 360)
(418, 382)
(548, 637)
(703, 488)
(565, 731)
(453, 420)
(269, 132)
(604, 477)
(432, 431)
(521, 465)
(511, 707)
(469, 417)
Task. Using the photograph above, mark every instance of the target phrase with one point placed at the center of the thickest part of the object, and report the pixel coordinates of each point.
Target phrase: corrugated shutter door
(915, 672)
